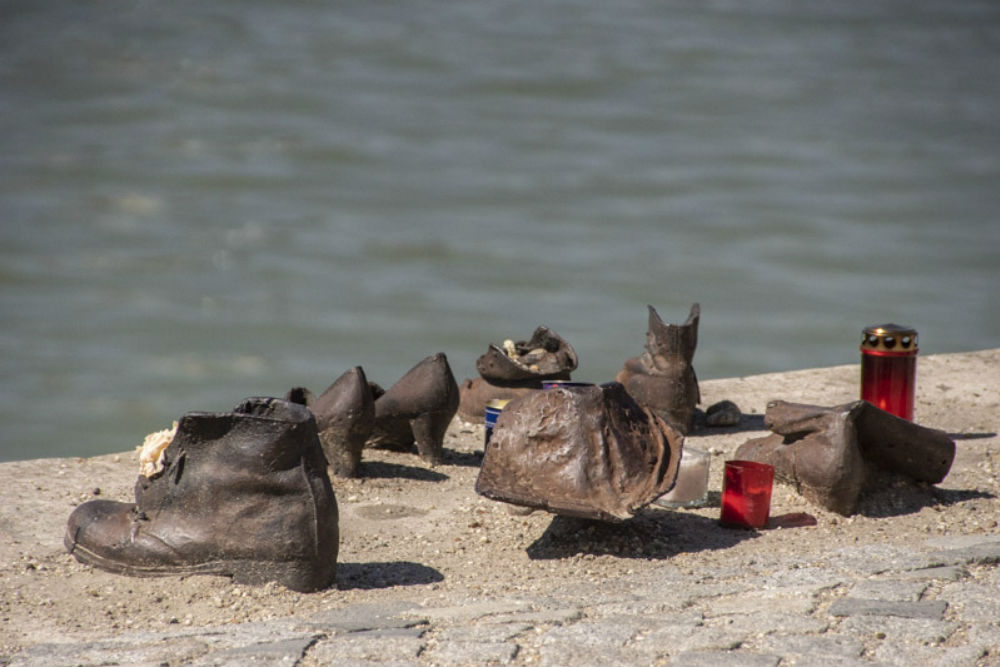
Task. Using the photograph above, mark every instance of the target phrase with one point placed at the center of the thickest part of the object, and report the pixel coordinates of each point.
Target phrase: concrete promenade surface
(432, 574)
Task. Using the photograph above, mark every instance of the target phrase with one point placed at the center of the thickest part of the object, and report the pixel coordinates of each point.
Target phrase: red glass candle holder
(746, 494)
(889, 368)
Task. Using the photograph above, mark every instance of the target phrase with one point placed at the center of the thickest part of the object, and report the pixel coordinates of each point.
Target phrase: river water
(202, 201)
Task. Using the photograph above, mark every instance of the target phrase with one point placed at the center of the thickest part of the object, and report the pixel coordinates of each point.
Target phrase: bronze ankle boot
(243, 494)
(662, 377)
(589, 452)
(833, 454)
(345, 414)
(515, 369)
(418, 408)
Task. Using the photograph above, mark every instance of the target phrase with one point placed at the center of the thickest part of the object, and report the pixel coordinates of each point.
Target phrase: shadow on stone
(748, 422)
(383, 470)
(888, 497)
(370, 576)
(652, 534)
(972, 436)
(467, 459)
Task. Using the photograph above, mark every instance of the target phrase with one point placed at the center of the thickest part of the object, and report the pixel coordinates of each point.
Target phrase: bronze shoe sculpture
(833, 454)
(345, 415)
(418, 408)
(243, 494)
(515, 369)
(662, 377)
(590, 452)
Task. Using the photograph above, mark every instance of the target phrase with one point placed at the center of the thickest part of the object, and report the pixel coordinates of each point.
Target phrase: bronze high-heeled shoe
(418, 408)
(345, 414)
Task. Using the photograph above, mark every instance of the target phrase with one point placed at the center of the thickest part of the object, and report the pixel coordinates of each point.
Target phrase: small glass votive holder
(746, 494)
(691, 487)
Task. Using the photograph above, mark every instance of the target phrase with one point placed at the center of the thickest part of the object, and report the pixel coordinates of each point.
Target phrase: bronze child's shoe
(515, 369)
(243, 494)
(589, 452)
(345, 415)
(662, 377)
(833, 454)
(418, 408)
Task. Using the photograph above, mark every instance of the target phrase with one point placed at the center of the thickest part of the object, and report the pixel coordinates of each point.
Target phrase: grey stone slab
(358, 617)
(557, 616)
(710, 639)
(459, 653)
(588, 643)
(905, 655)
(471, 611)
(869, 559)
(487, 632)
(670, 639)
(895, 630)
(652, 606)
(818, 577)
(415, 632)
(789, 599)
(768, 622)
(724, 659)
(888, 589)
(933, 609)
(984, 553)
(960, 541)
(153, 650)
(816, 649)
(939, 573)
(285, 652)
(974, 603)
(360, 649)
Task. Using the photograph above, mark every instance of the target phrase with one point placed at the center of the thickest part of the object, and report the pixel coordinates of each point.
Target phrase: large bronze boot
(516, 369)
(418, 408)
(832, 455)
(243, 494)
(662, 377)
(815, 449)
(589, 452)
(345, 414)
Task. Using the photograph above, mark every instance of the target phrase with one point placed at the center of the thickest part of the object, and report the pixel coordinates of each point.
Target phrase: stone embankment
(431, 574)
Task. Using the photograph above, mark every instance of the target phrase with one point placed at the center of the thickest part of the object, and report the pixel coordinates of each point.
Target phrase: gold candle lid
(889, 338)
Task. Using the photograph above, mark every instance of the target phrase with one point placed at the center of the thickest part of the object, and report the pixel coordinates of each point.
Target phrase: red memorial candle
(746, 494)
(889, 368)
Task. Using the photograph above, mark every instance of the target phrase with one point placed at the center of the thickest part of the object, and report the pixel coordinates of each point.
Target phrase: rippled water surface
(202, 201)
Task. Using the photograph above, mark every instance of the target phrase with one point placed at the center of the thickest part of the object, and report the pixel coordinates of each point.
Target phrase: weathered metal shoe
(589, 452)
(418, 408)
(345, 415)
(833, 454)
(662, 377)
(516, 369)
(243, 494)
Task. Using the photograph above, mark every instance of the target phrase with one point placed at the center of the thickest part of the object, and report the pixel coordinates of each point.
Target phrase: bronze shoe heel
(418, 408)
(345, 414)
